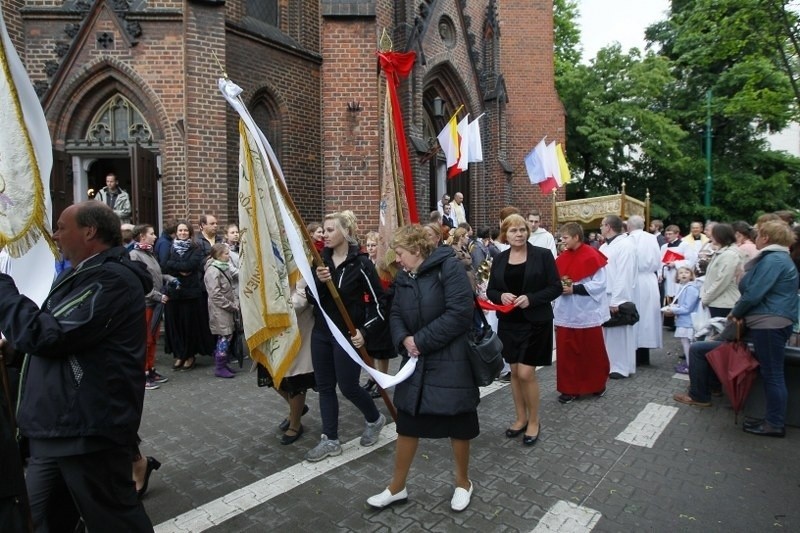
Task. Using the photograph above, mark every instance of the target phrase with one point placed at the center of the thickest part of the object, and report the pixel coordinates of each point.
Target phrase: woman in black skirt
(186, 312)
(430, 317)
(526, 277)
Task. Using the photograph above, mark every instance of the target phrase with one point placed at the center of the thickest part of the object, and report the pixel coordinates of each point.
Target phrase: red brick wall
(533, 110)
(350, 139)
(286, 77)
(205, 110)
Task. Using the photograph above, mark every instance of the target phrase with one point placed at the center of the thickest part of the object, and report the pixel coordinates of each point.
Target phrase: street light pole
(709, 179)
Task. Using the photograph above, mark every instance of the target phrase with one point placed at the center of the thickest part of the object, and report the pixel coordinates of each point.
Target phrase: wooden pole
(330, 285)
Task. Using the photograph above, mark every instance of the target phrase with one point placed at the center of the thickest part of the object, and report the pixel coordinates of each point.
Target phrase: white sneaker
(325, 448)
(461, 498)
(373, 431)
(386, 498)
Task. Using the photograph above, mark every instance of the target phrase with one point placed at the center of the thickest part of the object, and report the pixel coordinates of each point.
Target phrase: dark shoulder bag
(485, 350)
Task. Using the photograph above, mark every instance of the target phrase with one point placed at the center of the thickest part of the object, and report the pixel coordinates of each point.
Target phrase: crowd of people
(602, 300)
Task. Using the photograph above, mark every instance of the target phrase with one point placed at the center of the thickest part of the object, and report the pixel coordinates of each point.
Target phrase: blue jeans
(333, 366)
(701, 375)
(769, 349)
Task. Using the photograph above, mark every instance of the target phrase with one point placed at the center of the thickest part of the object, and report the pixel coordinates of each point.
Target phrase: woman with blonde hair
(360, 291)
(526, 277)
(379, 345)
(460, 245)
(431, 315)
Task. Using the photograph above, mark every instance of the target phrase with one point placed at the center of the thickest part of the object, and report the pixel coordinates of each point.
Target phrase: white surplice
(645, 295)
(622, 276)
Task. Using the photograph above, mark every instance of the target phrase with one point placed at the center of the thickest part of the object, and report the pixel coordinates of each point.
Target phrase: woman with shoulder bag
(431, 315)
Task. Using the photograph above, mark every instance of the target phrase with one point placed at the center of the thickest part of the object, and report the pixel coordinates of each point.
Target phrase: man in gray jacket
(114, 197)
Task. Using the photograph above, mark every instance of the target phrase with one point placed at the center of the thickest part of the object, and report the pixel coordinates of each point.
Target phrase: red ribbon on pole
(396, 66)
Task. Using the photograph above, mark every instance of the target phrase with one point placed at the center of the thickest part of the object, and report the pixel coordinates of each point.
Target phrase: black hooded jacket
(360, 290)
(86, 347)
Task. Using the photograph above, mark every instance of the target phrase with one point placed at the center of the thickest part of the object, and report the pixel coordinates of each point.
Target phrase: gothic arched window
(267, 117)
(118, 120)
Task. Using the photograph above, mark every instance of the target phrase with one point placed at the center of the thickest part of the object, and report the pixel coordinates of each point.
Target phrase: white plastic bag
(701, 318)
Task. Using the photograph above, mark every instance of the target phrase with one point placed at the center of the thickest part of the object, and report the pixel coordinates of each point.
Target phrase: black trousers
(100, 485)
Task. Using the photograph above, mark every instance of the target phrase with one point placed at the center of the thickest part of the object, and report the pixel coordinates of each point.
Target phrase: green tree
(566, 35)
(741, 52)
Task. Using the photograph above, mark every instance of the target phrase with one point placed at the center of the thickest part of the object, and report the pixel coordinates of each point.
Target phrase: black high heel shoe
(512, 433)
(152, 464)
(283, 426)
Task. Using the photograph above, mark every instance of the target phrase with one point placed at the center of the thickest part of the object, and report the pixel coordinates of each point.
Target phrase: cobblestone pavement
(633, 460)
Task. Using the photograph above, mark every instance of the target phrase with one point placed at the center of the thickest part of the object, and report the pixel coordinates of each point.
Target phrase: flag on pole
(562, 165)
(463, 146)
(26, 157)
(536, 165)
(551, 164)
(475, 146)
(448, 140)
(268, 267)
(393, 209)
(397, 65)
(272, 254)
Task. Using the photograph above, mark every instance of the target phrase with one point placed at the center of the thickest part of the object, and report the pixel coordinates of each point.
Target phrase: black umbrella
(155, 320)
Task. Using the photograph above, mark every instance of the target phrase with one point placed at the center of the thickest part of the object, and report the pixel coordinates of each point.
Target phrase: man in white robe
(645, 294)
(622, 275)
(539, 236)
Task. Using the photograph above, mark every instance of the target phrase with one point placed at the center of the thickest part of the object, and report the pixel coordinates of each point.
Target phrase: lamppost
(709, 179)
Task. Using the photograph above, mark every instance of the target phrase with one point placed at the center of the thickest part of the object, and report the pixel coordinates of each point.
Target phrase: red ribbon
(397, 65)
(487, 305)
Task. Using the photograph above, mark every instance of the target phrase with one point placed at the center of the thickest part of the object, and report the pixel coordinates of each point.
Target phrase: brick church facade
(130, 86)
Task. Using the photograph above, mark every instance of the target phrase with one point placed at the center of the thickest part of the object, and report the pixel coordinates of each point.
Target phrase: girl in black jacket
(360, 290)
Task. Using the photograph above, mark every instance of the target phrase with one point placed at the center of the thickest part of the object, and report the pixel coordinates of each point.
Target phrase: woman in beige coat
(720, 291)
(223, 304)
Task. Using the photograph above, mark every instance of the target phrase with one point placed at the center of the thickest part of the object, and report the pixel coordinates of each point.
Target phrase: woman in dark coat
(526, 277)
(431, 314)
(186, 313)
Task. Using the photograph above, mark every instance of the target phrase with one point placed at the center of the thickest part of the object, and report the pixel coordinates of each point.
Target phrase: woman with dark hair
(317, 235)
(431, 314)
(526, 277)
(744, 239)
(719, 292)
(143, 238)
(186, 313)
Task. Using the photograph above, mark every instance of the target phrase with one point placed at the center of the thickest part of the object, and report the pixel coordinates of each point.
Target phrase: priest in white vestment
(648, 330)
(669, 267)
(622, 275)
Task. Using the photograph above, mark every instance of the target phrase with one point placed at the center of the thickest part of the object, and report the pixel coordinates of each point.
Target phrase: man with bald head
(645, 292)
(83, 391)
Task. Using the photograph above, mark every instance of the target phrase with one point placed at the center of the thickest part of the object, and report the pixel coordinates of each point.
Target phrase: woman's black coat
(542, 284)
(436, 308)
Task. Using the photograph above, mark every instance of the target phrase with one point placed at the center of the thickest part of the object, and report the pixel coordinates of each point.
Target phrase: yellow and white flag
(273, 255)
(26, 156)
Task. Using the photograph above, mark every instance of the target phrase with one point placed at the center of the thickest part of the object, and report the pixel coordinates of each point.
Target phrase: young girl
(685, 303)
(223, 304)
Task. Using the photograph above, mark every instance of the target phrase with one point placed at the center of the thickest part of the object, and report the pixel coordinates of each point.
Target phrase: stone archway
(442, 82)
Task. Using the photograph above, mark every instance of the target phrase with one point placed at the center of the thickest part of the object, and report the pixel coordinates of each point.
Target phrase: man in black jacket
(83, 389)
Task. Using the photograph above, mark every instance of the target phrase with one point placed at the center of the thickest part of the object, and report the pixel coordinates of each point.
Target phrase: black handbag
(485, 351)
(627, 315)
